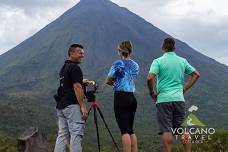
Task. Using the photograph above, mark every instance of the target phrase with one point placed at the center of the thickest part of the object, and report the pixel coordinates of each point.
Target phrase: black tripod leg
(102, 117)
(96, 123)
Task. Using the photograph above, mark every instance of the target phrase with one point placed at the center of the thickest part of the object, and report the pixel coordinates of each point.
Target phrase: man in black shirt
(71, 108)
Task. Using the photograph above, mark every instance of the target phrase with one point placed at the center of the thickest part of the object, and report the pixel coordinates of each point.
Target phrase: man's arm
(109, 81)
(150, 84)
(80, 97)
(194, 77)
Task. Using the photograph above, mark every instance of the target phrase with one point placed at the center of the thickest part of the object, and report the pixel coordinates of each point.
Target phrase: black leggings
(125, 105)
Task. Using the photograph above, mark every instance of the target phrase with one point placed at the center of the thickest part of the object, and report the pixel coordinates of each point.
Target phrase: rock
(33, 140)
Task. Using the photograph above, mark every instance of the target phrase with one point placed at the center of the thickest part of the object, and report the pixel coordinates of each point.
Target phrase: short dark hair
(168, 44)
(73, 46)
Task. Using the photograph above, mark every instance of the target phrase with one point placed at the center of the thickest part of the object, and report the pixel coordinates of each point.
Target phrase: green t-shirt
(170, 70)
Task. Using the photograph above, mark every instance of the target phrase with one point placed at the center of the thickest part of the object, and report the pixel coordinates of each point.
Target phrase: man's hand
(184, 90)
(150, 84)
(84, 112)
(194, 77)
(153, 95)
(80, 97)
(87, 82)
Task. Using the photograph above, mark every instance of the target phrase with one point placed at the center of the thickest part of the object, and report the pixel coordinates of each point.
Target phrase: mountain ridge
(29, 72)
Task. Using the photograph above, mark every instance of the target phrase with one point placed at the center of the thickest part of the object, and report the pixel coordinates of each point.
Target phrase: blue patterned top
(124, 73)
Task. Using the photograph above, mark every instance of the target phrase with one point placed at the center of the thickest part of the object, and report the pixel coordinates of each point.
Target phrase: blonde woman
(122, 77)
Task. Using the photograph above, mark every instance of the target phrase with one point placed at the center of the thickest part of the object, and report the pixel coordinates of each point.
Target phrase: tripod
(96, 108)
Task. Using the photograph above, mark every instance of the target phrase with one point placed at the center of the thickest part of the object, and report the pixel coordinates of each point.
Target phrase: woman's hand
(109, 81)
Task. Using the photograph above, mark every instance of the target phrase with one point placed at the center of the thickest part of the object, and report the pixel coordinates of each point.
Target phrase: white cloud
(202, 24)
(20, 20)
(11, 27)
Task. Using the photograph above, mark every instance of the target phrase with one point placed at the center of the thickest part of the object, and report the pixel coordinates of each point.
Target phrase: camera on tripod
(90, 88)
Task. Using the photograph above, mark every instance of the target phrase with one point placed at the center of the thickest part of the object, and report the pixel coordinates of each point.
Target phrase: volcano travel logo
(192, 125)
(192, 119)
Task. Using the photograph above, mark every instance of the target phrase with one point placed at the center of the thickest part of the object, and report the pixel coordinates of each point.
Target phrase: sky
(203, 24)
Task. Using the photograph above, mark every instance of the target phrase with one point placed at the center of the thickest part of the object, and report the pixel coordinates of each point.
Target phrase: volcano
(29, 71)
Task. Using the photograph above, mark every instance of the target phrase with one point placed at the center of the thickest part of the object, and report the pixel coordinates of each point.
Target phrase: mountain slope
(29, 71)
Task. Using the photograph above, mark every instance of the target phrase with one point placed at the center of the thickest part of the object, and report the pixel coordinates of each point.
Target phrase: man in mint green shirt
(169, 70)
